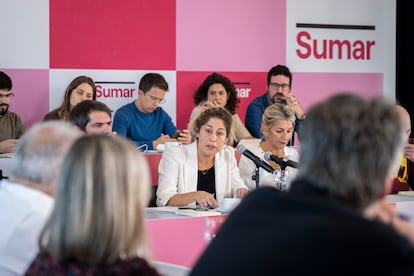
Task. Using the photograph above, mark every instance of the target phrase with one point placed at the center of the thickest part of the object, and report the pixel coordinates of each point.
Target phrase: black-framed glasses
(276, 86)
(6, 96)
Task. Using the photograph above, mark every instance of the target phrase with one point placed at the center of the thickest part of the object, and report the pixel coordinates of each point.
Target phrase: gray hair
(350, 146)
(41, 150)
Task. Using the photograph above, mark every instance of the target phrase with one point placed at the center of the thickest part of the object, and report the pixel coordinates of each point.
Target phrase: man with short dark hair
(92, 117)
(279, 90)
(11, 125)
(144, 121)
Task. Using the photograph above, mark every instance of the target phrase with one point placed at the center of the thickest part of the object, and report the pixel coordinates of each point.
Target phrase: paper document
(197, 213)
(406, 193)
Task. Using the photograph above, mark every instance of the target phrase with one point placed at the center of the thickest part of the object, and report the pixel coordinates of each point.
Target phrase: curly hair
(202, 91)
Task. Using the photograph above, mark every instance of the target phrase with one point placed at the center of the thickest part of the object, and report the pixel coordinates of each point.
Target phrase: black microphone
(283, 163)
(257, 161)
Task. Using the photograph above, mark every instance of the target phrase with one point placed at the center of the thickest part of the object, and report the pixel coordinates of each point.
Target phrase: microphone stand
(255, 176)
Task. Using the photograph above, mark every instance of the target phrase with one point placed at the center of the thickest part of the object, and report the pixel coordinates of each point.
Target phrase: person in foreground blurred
(404, 176)
(218, 90)
(278, 124)
(205, 171)
(334, 220)
(92, 117)
(79, 89)
(26, 198)
(96, 227)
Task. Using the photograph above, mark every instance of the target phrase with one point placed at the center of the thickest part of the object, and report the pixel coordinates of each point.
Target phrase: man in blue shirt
(143, 121)
(279, 83)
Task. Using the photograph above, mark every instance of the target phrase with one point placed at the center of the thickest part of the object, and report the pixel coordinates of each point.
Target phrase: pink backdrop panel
(178, 241)
(231, 35)
(108, 35)
(31, 93)
(313, 87)
(249, 84)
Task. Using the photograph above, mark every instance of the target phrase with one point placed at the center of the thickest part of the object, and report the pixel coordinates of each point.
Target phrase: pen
(208, 205)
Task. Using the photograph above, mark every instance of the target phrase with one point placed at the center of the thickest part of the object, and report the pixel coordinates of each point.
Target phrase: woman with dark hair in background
(218, 90)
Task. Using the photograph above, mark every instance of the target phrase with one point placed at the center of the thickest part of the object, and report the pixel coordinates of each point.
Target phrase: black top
(206, 181)
(303, 232)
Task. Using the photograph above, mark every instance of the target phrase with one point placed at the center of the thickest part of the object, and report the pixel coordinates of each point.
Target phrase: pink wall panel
(313, 87)
(112, 35)
(231, 35)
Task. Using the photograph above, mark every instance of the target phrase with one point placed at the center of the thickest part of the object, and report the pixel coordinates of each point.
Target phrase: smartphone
(177, 134)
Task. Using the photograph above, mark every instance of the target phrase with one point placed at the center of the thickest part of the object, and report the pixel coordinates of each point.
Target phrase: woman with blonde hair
(278, 124)
(80, 88)
(97, 223)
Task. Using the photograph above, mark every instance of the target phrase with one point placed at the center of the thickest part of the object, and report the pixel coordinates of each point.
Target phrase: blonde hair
(275, 112)
(101, 195)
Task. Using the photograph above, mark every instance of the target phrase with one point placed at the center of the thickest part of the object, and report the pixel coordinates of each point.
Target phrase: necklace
(205, 171)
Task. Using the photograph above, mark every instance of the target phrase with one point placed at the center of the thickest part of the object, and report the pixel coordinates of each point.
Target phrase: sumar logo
(110, 89)
(325, 48)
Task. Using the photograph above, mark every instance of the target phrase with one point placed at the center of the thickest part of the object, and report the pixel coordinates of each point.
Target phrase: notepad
(197, 213)
(406, 193)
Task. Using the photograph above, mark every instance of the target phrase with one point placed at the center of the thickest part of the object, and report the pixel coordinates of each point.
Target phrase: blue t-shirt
(142, 128)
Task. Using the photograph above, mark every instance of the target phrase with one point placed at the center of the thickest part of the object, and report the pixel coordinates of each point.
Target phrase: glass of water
(280, 179)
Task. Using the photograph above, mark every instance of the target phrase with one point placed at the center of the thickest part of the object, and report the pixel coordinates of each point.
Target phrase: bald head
(405, 118)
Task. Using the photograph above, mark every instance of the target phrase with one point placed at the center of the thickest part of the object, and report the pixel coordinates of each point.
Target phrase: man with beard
(279, 84)
(11, 126)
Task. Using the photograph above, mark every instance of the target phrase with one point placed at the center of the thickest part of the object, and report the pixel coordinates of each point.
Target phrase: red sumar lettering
(114, 92)
(332, 48)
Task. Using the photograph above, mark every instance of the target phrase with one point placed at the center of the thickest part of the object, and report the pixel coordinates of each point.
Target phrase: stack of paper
(197, 213)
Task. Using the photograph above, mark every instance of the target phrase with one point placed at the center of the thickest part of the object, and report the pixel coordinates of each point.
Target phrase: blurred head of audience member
(97, 223)
(26, 197)
(92, 117)
(335, 213)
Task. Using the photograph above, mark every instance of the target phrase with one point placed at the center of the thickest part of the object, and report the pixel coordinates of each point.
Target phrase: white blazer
(178, 173)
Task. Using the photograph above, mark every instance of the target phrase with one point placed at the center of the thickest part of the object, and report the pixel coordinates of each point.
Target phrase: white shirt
(23, 213)
(247, 167)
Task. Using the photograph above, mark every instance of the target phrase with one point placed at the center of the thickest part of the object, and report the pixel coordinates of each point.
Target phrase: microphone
(283, 163)
(257, 161)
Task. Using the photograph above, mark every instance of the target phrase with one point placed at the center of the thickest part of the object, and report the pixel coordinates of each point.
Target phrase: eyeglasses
(276, 86)
(157, 100)
(6, 96)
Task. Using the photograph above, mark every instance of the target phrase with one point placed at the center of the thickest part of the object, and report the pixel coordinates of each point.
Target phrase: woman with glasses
(218, 90)
(205, 171)
(80, 88)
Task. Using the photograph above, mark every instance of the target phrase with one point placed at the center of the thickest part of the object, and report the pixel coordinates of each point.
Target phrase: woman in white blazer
(278, 123)
(205, 171)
